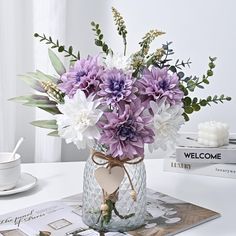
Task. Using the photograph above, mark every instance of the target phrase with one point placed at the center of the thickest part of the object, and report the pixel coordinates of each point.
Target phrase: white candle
(213, 134)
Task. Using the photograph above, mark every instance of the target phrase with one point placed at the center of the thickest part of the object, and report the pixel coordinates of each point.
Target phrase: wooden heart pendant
(109, 179)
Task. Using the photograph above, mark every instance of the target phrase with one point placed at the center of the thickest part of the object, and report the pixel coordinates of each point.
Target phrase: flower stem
(121, 216)
(125, 44)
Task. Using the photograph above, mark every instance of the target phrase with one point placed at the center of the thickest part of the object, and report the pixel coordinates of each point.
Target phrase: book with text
(216, 170)
(165, 216)
(189, 150)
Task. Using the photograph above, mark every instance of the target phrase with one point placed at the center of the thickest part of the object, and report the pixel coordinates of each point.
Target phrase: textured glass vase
(125, 205)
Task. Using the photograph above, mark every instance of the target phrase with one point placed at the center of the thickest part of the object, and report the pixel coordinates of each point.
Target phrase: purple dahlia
(158, 83)
(117, 86)
(84, 75)
(126, 131)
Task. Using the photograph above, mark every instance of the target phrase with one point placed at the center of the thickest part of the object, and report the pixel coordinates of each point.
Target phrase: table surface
(58, 180)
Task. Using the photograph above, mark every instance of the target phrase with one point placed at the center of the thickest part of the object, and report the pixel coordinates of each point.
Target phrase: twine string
(110, 199)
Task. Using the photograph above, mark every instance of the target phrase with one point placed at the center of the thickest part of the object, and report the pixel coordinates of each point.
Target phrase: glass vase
(129, 214)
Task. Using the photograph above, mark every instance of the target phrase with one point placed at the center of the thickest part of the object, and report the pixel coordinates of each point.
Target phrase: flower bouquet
(116, 104)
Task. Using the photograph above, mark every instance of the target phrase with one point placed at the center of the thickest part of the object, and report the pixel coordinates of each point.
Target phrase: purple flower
(125, 131)
(84, 75)
(117, 86)
(158, 83)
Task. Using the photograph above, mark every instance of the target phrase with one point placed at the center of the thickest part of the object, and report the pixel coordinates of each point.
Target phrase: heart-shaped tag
(109, 180)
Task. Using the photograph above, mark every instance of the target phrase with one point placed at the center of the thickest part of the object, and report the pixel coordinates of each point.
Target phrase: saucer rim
(19, 189)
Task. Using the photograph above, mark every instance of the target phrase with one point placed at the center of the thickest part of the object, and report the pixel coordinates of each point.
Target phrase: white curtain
(49, 18)
(20, 53)
(7, 75)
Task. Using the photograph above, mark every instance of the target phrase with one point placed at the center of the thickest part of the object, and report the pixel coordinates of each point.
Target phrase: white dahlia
(167, 122)
(118, 61)
(78, 120)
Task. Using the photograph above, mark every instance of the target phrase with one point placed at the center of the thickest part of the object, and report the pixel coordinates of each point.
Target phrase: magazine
(165, 216)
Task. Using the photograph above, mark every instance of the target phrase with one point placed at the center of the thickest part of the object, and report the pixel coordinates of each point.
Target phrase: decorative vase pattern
(125, 205)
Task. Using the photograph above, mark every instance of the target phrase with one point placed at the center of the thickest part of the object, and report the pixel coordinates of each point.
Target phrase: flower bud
(104, 207)
(133, 195)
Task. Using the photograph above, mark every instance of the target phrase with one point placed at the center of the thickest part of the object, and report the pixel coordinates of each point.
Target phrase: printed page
(165, 216)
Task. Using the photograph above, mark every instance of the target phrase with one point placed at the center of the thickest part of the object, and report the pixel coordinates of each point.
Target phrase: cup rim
(17, 157)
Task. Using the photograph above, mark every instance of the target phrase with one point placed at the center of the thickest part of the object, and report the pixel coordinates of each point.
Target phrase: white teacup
(10, 170)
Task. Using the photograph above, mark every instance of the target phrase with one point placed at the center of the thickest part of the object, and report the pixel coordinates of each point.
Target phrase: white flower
(167, 122)
(78, 120)
(118, 61)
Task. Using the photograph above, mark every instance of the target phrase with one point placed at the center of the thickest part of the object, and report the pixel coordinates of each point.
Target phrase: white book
(189, 150)
(217, 170)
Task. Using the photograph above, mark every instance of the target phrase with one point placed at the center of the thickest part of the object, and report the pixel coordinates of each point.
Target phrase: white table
(57, 180)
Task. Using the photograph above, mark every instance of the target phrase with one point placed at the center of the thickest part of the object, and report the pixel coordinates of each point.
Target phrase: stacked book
(194, 158)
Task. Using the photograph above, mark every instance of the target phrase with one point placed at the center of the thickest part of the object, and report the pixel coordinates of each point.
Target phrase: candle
(213, 134)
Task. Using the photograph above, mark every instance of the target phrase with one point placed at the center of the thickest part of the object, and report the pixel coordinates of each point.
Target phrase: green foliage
(180, 65)
(56, 62)
(141, 58)
(61, 48)
(155, 58)
(40, 101)
(47, 124)
(42, 77)
(121, 28)
(112, 207)
(191, 105)
(148, 39)
(189, 84)
(32, 82)
(99, 38)
(160, 58)
(164, 60)
(53, 134)
(107, 217)
(192, 82)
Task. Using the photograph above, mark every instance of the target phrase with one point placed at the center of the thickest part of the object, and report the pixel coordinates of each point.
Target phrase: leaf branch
(99, 38)
(191, 105)
(191, 83)
(61, 48)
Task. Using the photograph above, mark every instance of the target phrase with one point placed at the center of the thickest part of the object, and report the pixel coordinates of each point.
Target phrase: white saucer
(26, 182)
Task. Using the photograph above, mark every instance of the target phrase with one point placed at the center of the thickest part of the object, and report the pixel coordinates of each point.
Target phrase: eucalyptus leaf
(222, 96)
(51, 110)
(187, 101)
(41, 103)
(39, 75)
(188, 109)
(200, 86)
(196, 107)
(56, 62)
(35, 84)
(29, 98)
(105, 48)
(195, 99)
(186, 117)
(98, 42)
(209, 98)
(203, 102)
(173, 69)
(54, 134)
(47, 124)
